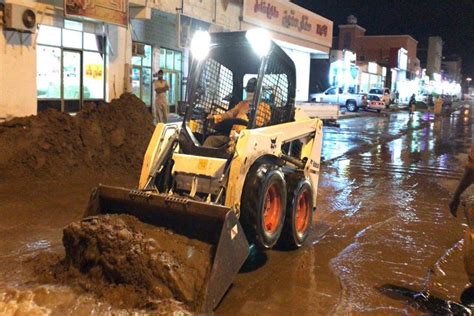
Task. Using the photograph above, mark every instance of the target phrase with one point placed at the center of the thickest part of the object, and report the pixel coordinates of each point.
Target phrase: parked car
(384, 94)
(333, 95)
(375, 103)
(422, 97)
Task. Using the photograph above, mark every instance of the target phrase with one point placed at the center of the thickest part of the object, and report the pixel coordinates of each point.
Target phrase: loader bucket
(213, 224)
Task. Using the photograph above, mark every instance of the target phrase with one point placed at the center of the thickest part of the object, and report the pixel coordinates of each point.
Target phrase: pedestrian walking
(161, 102)
(430, 102)
(438, 106)
(412, 104)
(397, 96)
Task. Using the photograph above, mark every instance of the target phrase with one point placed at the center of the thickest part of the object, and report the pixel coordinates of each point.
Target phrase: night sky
(453, 20)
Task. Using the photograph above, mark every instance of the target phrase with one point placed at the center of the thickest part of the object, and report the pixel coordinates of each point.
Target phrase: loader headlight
(200, 44)
(261, 41)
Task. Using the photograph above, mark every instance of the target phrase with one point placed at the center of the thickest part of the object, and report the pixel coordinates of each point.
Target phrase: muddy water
(383, 240)
(33, 217)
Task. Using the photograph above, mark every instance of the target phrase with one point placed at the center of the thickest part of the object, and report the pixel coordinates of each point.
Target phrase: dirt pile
(105, 137)
(144, 265)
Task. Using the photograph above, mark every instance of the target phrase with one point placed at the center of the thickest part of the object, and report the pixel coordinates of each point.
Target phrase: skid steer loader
(260, 186)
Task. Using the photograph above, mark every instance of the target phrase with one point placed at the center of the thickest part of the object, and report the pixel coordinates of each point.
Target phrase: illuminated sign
(402, 59)
(349, 57)
(372, 68)
(109, 11)
(289, 19)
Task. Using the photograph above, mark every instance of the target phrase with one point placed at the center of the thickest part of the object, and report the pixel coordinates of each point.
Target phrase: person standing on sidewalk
(412, 104)
(161, 102)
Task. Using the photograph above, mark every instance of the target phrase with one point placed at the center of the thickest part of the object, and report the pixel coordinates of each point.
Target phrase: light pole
(468, 79)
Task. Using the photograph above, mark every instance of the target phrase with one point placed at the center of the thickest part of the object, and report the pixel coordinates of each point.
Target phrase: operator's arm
(466, 180)
(232, 113)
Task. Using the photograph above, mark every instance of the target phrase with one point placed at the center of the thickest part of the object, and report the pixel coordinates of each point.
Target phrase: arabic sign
(289, 19)
(109, 11)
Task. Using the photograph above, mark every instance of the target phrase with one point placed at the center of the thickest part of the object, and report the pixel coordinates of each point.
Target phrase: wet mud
(101, 137)
(145, 264)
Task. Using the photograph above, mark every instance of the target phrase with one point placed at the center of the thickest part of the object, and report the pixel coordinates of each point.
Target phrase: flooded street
(383, 232)
(383, 239)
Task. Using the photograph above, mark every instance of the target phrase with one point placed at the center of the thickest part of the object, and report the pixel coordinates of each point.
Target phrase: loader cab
(217, 81)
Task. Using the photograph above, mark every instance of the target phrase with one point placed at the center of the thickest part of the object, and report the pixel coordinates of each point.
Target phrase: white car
(384, 94)
(375, 103)
(352, 101)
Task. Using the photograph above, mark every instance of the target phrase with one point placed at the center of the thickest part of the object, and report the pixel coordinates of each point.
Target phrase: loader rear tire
(263, 205)
(299, 213)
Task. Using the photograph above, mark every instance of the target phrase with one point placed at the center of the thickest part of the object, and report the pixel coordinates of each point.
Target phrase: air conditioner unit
(138, 49)
(20, 18)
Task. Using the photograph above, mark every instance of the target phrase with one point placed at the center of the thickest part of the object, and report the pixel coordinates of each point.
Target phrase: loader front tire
(263, 205)
(299, 213)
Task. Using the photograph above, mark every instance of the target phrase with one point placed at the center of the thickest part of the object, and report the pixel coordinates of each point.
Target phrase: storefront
(70, 66)
(300, 32)
(372, 76)
(343, 71)
(70, 55)
(158, 49)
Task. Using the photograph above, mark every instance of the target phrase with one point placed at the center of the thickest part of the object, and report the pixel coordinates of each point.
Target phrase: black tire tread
(250, 198)
(286, 238)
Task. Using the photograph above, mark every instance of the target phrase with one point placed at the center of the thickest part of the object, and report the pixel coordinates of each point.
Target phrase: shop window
(92, 42)
(49, 35)
(73, 25)
(48, 74)
(72, 75)
(162, 59)
(171, 64)
(142, 76)
(70, 67)
(147, 57)
(93, 74)
(72, 39)
(177, 61)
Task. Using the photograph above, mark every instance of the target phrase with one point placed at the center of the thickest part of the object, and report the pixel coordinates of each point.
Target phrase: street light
(468, 79)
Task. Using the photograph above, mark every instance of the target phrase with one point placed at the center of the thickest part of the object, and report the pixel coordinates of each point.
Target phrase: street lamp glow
(468, 79)
(260, 40)
(200, 44)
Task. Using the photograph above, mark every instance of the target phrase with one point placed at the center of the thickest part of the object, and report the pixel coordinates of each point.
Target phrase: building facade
(76, 60)
(435, 56)
(451, 69)
(384, 60)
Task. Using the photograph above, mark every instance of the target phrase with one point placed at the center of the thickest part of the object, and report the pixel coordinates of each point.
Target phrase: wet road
(382, 230)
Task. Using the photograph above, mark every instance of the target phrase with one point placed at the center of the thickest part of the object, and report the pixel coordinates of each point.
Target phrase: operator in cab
(239, 113)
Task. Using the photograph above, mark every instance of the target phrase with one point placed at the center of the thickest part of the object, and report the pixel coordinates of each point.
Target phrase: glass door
(174, 93)
(141, 76)
(137, 81)
(72, 80)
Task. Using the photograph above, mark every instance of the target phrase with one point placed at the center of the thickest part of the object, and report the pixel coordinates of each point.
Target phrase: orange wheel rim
(272, 210)
(303, 213)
